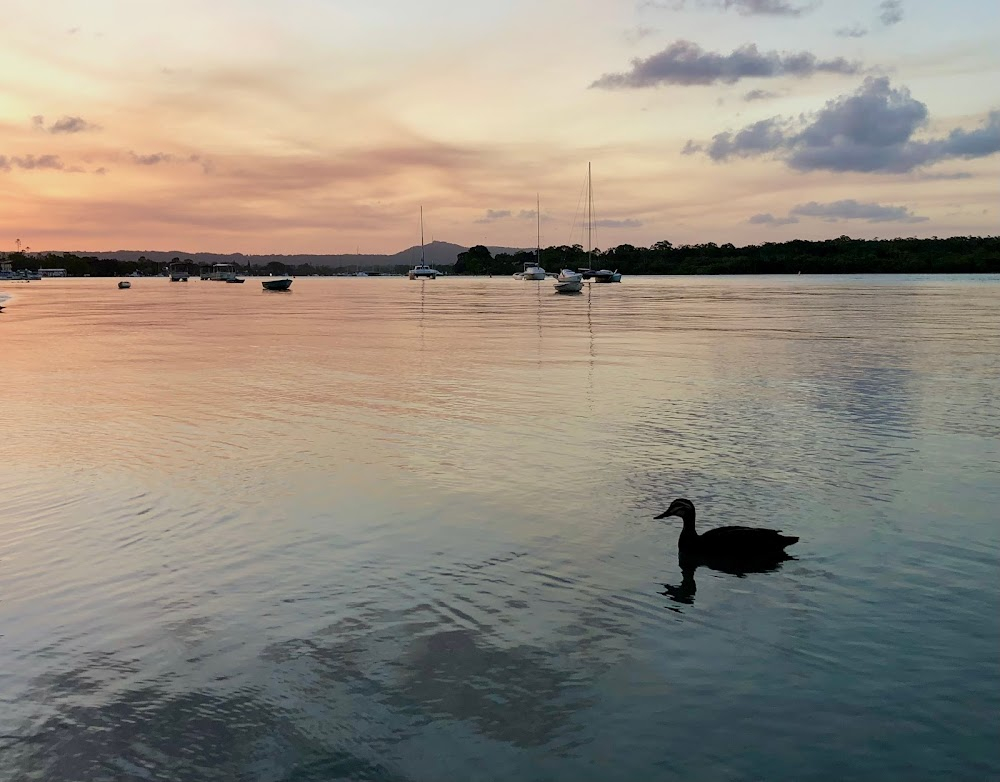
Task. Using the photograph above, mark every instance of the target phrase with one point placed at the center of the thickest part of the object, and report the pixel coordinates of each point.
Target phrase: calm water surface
(387, 530)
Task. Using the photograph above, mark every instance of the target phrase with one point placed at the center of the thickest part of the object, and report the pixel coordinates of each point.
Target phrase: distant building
(6, 267)
(52, 272)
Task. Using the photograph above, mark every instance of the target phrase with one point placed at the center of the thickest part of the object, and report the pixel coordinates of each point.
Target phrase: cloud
(492, 215)
(854, 31)
(31, 162)
(943, 177)
(71, 125)
(151, 160)
(759, 95)
(891, 12)
(763, 7)
(629, 223)
(742, 7)
(769, 219)
(761, 137)
(495, 215)
(63, 125)
(836, 211)
(684, 62)
(849, 209)
(637, 33)
(869, 131)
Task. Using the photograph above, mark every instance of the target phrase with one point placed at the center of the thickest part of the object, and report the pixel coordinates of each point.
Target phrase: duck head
(679, 507)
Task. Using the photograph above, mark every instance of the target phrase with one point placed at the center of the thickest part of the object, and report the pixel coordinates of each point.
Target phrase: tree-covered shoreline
(844, 255)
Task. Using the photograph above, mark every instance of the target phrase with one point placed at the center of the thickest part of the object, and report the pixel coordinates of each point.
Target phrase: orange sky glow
(314, 126)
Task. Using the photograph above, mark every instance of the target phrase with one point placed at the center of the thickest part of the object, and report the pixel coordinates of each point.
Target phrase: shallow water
(390, 530)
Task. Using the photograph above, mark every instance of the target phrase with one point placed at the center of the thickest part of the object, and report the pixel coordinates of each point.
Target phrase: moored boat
(422, 271)
(569, 281)
(277, 285)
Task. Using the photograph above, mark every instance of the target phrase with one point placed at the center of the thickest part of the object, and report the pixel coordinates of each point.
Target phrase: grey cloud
(492, 215)
(629, 223)
(684, 62)
(849, 209)
(835, 211)
(976, 143)
(101, 171)
(63, 125)
(31, 162)
(854, 31)
(38, 162)
(763, 7)
(934, 177)
(769, 219)
(757, 139)
(636, 34)
(869, 131)
(151, 160)
(71, 125)
(742, 7)
(759, 95)
(891, 12)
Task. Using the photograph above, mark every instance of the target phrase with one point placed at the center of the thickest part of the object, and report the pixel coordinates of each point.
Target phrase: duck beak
(663, 515)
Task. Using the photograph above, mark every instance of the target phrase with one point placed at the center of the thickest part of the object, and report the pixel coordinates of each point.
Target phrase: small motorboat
(124, 284)
(236, 279)
(569, 281)
(606, 275)
(277, 285)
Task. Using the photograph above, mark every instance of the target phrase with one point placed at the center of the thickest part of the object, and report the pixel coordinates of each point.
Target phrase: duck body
(747, 544)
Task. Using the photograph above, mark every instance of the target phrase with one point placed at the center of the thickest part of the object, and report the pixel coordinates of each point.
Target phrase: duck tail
(788, 540)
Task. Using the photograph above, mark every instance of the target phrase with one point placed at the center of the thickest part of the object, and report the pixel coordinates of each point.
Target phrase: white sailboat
(598, 275)
(422, 271)
(533, 269)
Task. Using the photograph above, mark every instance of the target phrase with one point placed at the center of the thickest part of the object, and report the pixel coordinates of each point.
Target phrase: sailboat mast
(590, 209)
(422, 235)
(538, 222)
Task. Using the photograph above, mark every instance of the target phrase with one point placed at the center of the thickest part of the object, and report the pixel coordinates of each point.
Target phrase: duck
(740, 544)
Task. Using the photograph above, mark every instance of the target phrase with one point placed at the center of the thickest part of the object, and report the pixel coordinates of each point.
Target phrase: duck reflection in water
(733, 550)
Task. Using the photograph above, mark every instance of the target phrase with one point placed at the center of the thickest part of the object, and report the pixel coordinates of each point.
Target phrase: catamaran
(422, 271)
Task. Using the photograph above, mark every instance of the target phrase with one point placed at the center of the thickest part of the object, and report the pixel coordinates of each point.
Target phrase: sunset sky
(321, 126)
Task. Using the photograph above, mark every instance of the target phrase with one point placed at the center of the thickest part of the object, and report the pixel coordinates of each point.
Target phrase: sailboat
(598, 275)
(422, 271)
(568, 281)
(533, 269)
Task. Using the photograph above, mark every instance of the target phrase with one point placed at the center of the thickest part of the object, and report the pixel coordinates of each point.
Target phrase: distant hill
(435, 253)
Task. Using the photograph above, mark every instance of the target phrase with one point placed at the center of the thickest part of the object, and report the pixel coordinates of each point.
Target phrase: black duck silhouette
(751, 545)
(733, 550)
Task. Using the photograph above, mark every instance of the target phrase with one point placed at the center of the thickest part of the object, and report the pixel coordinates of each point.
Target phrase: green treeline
(960, 254)
(955, 255)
